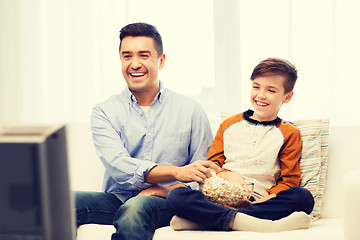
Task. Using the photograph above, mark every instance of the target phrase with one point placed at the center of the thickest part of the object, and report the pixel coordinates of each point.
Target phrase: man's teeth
(137, 74)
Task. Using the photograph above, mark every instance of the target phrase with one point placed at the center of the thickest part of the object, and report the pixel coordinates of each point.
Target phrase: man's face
(140, 63)
(267, 96)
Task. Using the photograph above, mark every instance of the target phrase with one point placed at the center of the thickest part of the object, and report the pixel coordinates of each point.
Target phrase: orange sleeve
(216, 151)
(289, 157)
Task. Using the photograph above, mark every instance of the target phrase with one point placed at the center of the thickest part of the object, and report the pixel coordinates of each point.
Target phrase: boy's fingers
(246, 189)
(211, 165)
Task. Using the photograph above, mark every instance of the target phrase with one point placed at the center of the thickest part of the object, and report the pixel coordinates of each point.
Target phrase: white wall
(58, 58)
(321, 38)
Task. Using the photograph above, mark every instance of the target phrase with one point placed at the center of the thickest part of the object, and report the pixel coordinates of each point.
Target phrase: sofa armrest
(351, 196)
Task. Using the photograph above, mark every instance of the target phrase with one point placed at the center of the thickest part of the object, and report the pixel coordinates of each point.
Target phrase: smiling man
(148, 138)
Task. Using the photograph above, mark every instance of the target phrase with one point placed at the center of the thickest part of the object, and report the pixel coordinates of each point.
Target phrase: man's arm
(197, 171)
(124, 169)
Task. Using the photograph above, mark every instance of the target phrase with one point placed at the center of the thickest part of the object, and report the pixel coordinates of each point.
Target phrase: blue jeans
(194, 206)
(137, 218)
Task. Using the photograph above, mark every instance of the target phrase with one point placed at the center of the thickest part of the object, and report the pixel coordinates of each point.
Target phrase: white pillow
(313, 161)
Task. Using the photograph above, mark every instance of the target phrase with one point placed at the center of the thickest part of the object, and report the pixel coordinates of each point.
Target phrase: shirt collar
(249, 113)
(160, 96)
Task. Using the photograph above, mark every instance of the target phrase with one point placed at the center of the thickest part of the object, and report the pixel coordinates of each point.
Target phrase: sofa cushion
(313, 161)
(325, 228)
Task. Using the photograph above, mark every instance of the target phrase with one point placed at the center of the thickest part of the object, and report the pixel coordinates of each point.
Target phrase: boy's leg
(95, 207)
(195, 207)
(139, 217)
(294, 199)
(189, 218)
(296, 220)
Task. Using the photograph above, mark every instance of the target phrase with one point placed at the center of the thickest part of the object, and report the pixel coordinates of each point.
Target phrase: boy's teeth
(261, 104)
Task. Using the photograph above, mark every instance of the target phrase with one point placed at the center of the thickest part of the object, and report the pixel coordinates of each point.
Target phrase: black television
(35, 198)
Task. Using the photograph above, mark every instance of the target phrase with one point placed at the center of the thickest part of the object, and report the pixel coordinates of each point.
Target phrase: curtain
(321, 38)
(58, 58)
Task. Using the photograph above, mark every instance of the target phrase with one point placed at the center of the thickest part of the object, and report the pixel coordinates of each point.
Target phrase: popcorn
(221, 191)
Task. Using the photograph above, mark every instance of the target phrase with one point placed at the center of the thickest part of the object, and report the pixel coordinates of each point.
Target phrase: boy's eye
(272, 91)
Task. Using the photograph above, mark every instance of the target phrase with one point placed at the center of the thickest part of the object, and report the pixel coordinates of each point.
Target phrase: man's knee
(141, 205)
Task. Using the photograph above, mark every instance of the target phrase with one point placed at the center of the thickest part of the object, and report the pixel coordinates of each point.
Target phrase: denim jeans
(137, 218)
(194, 206)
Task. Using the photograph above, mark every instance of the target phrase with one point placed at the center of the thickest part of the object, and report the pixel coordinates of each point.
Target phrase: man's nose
(136, 63)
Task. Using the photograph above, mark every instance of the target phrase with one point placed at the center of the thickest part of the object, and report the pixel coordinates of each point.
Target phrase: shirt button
(147, 157)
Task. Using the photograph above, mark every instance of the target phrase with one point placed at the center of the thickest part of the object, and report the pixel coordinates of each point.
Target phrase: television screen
(35, 198)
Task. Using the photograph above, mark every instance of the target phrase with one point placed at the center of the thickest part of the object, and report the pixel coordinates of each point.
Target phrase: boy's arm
(216, 151)
(289, 161)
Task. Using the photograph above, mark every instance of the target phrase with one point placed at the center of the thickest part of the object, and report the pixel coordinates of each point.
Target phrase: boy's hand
(156, 190)
(244, 204)
(235, 178)
(197, 171)
(264, 199)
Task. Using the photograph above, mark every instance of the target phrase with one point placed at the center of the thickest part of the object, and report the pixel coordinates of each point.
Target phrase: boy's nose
(262, 95)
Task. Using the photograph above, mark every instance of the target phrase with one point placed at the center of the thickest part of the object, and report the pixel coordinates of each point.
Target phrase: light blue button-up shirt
(174, 131)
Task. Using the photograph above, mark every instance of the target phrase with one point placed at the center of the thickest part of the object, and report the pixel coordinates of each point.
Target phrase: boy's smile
(267, 96)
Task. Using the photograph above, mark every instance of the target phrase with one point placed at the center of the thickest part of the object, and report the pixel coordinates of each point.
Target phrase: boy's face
(140, 63)
(267, 96)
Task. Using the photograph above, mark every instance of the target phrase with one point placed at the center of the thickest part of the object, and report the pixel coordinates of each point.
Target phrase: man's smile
(137, 74)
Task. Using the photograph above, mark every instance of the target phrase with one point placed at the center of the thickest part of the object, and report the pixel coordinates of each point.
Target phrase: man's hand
(197, 171)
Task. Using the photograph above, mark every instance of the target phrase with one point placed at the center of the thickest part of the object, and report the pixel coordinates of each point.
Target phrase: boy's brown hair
(277, 66)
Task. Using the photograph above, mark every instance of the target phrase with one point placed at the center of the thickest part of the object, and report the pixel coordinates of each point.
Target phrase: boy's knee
(304, 198)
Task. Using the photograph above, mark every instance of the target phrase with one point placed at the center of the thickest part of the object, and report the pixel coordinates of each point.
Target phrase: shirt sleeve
(201, 138)
(216, 152)
(289, 161)
(127, 171)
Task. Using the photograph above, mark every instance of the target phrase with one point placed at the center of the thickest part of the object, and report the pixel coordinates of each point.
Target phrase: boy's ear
(288, 96)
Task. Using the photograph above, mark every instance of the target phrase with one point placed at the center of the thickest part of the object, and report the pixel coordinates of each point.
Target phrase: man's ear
(288, 96)
(162, 61)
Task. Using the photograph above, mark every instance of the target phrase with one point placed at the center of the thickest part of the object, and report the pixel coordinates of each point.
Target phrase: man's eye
(144, 55)
(126, 56)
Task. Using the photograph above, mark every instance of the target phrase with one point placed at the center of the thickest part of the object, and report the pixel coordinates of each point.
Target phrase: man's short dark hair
(142, 29)
(277, 66)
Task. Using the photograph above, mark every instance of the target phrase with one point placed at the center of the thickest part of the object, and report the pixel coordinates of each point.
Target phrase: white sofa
(339, 213)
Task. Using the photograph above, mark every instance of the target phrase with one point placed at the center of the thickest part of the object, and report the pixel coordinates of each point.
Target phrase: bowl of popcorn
(221, 191)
